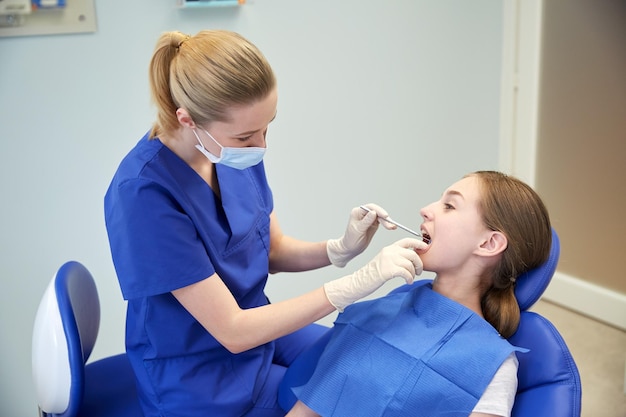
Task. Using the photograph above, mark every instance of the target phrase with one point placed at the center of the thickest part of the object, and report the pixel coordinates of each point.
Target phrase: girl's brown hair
(513, 208)
(205, 74)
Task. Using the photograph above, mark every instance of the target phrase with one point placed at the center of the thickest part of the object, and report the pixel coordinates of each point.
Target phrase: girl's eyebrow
(454, 193)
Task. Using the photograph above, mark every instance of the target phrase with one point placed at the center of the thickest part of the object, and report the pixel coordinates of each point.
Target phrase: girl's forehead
(466, 186)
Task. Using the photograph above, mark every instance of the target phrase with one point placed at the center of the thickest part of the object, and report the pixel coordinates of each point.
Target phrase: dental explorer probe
(389, 220)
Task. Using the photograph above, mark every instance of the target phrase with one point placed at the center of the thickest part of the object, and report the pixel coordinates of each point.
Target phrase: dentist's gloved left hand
(361, 229)
(397, 260)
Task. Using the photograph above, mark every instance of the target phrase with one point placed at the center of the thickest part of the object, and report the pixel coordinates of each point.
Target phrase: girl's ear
(495, 243)
(184, 118)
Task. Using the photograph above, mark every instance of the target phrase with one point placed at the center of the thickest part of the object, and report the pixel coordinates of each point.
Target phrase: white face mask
(239, 158)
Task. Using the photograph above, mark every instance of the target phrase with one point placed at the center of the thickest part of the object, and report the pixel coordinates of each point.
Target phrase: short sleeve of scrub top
(157, 244)
(163, 220)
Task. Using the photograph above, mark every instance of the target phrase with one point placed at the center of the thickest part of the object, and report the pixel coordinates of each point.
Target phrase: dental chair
(548, 379)
(65, 331)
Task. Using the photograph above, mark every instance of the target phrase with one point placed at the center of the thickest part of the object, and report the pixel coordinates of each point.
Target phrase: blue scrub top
(167, 229)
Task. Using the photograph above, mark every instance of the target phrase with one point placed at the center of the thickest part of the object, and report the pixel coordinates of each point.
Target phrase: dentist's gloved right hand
(361, 228)
(396, 260)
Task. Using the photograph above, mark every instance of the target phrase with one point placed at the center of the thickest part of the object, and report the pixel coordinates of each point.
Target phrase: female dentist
(193, 236)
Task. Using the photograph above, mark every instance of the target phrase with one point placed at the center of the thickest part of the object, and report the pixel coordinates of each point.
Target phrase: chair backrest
(64, 333)
(548, 379)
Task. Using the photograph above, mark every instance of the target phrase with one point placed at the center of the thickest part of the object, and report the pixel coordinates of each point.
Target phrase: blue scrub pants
(287, 349)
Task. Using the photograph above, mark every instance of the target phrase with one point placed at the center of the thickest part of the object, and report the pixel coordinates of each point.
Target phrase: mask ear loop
(198, 137)
(213, 139)
(205, 151)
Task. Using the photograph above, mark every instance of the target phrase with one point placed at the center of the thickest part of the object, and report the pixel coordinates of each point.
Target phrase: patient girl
(440, 350)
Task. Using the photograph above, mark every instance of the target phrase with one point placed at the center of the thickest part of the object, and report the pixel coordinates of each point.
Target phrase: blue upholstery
(531, 285)
(548, 379)
(64, 334)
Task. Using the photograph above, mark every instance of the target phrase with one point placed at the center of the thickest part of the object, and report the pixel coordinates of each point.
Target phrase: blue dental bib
(415, 353)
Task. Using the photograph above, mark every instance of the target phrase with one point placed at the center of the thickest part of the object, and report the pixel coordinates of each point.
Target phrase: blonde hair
(513, 208)
(205, 74)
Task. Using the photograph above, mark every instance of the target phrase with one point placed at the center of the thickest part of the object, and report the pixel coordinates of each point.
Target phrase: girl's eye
(448, 206)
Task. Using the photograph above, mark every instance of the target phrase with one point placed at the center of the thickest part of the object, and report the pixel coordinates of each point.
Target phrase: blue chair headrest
(533, 283)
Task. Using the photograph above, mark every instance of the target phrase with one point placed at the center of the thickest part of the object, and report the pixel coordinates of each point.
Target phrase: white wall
(387, 102)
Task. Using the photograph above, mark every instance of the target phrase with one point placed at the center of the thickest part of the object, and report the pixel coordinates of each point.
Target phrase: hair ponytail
(166, 49)
(501, 310)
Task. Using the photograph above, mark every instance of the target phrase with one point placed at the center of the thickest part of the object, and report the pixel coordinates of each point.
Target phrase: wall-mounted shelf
(75, 16)
(208, 3)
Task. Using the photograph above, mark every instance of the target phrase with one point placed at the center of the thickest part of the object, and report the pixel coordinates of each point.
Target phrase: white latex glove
(397, 260)
(359, 233)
